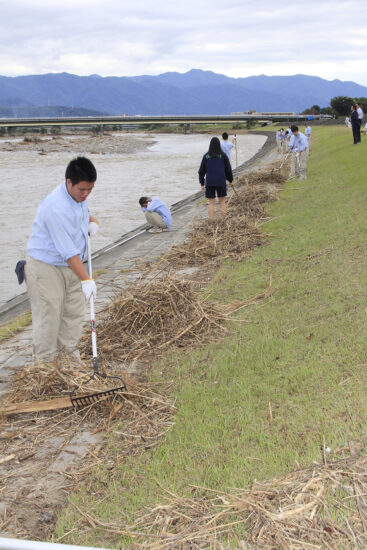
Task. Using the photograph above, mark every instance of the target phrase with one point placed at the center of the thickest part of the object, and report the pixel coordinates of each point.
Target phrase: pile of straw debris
(152, 316)
(321, 507)
(238, 233)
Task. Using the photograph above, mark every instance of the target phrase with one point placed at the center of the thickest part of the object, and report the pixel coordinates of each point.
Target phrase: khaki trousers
(298, 164)
(58, 304)
(155, 220)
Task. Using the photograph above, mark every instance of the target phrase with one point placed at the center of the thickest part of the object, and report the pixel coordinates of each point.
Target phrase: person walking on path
(285, 141)
(308, 132)
(156, 213)
(57, 282)
(298, 145)
(356, 128)
(227, 145)
(279, 139)
(215, 170)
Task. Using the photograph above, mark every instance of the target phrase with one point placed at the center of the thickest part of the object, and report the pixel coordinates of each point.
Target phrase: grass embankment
(293, 372)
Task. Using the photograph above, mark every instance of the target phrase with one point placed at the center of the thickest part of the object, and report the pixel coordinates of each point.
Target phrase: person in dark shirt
(215, 169)
(356, 127)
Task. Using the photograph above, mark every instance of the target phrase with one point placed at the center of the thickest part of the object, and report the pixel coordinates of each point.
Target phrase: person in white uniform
(298, 145)
(227, 145)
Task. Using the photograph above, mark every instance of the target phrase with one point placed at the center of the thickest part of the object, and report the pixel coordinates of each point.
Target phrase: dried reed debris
(238, 233)
(324, 506)
(151, 316)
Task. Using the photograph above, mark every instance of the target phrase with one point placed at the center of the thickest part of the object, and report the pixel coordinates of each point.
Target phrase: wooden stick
(6, 459)
(37, 406)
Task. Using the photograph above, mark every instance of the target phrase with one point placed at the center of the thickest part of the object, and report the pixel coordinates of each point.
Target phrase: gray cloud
(322, 38)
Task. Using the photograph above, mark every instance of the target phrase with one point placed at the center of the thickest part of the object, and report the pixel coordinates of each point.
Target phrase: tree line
(339, 106)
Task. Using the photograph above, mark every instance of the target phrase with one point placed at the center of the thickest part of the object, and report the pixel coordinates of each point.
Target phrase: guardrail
(18, 544)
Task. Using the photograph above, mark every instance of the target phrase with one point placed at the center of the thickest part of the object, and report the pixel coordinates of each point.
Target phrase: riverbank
(57, 449)
(19, 304)
(167, 169)
(282, 396)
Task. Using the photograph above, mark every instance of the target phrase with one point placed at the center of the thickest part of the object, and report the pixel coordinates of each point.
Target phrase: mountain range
(194, 92)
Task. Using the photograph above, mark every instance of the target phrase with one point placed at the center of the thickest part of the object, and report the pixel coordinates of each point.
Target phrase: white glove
(93, 228)
(89, 288)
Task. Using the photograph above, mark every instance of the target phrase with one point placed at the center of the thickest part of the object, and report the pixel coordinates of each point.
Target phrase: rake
(82, 400)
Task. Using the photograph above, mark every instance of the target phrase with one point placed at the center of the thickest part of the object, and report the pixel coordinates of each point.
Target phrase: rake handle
(92, 314)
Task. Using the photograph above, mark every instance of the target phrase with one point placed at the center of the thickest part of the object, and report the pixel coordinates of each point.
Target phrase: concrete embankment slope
(117, 264)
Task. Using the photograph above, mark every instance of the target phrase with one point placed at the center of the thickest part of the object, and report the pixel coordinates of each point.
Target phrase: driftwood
(37, 406)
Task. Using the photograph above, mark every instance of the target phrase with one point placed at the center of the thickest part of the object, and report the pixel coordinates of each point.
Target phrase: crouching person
(58, 284)
(156, 213)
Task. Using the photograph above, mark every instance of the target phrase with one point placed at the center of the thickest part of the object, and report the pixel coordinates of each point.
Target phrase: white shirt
(298, 142)
(60, 228)
(360, 113)
(227, 147)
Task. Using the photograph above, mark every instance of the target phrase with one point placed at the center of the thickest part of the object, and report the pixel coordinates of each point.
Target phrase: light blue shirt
(308, 131)
(60, 228)
(156, 205)
(298, 142)
(227, 147)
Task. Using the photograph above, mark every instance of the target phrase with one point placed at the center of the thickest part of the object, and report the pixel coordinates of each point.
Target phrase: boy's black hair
(143, 200)
(81, 169)
(294, 128)
(225, 135)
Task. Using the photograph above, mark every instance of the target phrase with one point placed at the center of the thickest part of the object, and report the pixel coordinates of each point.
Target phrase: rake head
(89, 399)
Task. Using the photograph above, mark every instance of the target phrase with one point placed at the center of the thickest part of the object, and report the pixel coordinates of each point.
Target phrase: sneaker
(155, 230)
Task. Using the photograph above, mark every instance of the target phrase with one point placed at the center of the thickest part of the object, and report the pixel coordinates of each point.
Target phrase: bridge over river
(148, 120)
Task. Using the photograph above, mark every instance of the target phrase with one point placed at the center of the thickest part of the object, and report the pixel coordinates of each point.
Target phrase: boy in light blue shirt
(156, 213)
(57, 281)
(227, 145)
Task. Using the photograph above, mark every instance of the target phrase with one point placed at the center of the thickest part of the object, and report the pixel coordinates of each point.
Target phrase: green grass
(302, 350)
(7, 330)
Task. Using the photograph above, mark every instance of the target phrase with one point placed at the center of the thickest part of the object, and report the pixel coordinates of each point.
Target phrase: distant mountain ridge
(172, 93)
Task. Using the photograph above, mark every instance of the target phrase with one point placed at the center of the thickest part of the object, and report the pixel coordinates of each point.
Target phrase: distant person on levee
(227, 145)
(356, 127)
(298, 146)
(360, 118)
(156, 213)
(215, 169)
(285, 141)
(57, 282)
(279, 138)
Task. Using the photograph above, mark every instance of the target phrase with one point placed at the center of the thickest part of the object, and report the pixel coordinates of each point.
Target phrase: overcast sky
(237, 38)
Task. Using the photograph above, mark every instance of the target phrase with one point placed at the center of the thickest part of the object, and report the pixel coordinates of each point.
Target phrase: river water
(167, 169)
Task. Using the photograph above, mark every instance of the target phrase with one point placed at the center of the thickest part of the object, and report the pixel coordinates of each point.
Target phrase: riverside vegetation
(283, 391)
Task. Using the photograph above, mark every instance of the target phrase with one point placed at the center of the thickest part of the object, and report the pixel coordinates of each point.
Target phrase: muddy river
(163, 165)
